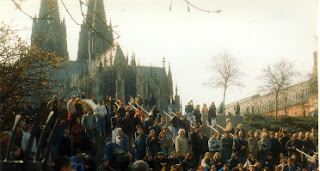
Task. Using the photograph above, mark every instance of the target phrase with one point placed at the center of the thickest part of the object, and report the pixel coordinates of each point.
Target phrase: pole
(141, 108)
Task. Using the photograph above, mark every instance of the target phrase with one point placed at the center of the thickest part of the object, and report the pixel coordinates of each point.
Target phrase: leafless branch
(200, 9)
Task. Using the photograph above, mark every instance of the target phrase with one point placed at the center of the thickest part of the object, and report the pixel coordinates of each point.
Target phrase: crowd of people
(137, 140)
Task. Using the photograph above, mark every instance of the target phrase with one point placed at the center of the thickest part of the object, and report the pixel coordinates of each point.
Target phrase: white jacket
(24, 142)
(101, 111)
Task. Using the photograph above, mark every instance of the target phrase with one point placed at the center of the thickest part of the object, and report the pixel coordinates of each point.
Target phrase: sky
(256, 32)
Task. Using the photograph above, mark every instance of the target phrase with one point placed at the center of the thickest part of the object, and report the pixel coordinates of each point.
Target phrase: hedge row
(294, 124)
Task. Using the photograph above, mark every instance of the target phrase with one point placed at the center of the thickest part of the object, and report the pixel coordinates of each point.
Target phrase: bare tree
(225, 71)
(277, 77)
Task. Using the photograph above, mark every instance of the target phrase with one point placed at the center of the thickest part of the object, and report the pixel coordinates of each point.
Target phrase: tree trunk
(224, 99)
(276, 106)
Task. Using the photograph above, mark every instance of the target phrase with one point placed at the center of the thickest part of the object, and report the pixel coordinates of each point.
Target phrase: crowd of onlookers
(135, 140)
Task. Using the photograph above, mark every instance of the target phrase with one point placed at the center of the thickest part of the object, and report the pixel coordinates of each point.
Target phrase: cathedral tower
(95, 35)
(48, 31)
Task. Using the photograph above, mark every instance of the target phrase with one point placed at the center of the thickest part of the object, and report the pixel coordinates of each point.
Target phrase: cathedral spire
(170, 83)
(95, 36)
(48, 30)
(49, 9)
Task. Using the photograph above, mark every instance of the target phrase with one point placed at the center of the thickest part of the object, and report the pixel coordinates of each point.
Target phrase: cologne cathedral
(101, 67)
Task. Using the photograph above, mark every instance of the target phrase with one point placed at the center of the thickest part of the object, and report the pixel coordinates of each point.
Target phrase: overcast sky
(256, 32)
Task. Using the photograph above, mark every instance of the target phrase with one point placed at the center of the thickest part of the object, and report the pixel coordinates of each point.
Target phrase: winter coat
(238, 143)
(140, 144)
(76, 130)
(214, 145)
(153, 145)
(212, 112)
(292, 143)
(204, 144)
(176, 122)
(181, 146)
(189, 109)
(226, 143)
(89, 122)
(123, 142)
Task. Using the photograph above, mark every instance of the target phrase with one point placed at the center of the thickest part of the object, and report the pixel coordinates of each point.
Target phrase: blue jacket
(109, 150)
(76, 162)
(123, 142)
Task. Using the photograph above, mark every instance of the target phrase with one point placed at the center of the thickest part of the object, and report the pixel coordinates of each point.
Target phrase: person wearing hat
(95, 101)
(89, 162)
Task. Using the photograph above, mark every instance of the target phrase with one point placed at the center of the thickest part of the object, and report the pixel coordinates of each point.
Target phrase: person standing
(176, 124)
(203, 144)
(152, 101)
(221, 109)
(214, 144)
(186, 125)
(122, 140)
(25, 140)
(127, 125)
(226, 143)
(181, 144)
(195, 144)
(101, 112)
(197, 115)
(171, 103)
(189, 112)
(94, 100)
(293, 144)
(79, 109)
(212, 114)
(205, 112)
(116, 124)
(155, 113)
(253, 145)
(264, 147)
(140, 144)
(153, 143)
(240, 146)
(237, 109)
(71, 111)
(275, 145)
(76, 132)
(89, 123)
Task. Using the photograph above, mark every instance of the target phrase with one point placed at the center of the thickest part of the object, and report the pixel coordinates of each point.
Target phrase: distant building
(296, 100)
(101, 67)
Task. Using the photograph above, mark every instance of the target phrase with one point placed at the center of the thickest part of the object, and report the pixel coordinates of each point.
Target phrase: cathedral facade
(101, 67)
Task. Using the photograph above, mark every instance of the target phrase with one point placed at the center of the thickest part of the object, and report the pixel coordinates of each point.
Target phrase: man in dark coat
(275, 145)
(285, 138)
(203, 144)
(189, 112)
(140, 144)
(176, 124)
(195, 144)
(293, 144)
(212, 114)
(197, 115)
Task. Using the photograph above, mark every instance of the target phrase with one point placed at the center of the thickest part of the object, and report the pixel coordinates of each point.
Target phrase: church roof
(149, 72)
